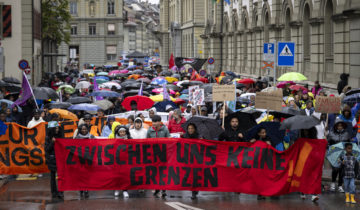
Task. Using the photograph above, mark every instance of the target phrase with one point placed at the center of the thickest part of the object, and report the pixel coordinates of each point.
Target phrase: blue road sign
(211, 60)
(269, 52)
(286, 54)
(23, 64)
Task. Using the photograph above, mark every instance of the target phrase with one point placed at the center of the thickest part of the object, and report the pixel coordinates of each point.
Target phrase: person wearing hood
(138, 132)
(176, 122)
(152, 112)
(292, 104)
(338, 134)
(347, 117)
(35, 120)
(83, 133)
(316, 89)
(106, 131)
(15, 115)
(343, 82)
(158, 131)
(120, 132)
(54, 131)
(169, 108)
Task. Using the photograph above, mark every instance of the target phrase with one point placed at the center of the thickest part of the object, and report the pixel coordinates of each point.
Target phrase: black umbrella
(208, 88)
(134, 93)
(60, 105)
(299, 122)
(138, 71)
(239, 85)
(12, 87)
(254, 112)
(246, 120)
(192, 83)
(166, 73)
(206, 127)
(280, 115)
(173, 87)
(226, 80)
(11, 80)
(3, 84)
(45, 93)
(79, 100)
(352, 91)
(289, 110)
(272, 131)
(134, 85)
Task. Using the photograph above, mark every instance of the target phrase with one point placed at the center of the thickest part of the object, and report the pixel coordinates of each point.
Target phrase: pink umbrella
(283, 84)
(124, 71)
(160, 90)
(114, 72)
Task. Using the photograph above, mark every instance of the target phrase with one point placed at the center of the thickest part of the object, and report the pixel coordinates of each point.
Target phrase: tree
(56, 20)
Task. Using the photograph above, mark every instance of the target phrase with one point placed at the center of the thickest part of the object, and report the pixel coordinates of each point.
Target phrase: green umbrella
(101, 81)
(67, 88)
(103, 73)
(292, 76)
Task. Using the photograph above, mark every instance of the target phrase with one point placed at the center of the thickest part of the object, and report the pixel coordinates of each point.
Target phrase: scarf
(80, 136)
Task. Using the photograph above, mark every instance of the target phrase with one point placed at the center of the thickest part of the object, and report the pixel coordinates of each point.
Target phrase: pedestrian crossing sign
(286, 54)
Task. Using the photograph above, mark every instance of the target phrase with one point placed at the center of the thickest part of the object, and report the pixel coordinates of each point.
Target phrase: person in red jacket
(175, 122)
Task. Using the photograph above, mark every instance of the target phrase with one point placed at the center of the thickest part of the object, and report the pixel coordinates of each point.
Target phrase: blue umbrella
(161, 106)
(105, 93)
(184, 97)
(102, 77)
(9, 103)
(159, 81)
(230, 73)
(84, 107)
(337, 150)
(352, 99)
(272, 131)
(185, 91)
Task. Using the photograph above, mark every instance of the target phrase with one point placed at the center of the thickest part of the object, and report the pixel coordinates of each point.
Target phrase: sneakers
(125, 194)
(332, 187)
(340, 189)
(314, 198)
(117, 193)
(163, 194)
(303, 196)
(156, 193)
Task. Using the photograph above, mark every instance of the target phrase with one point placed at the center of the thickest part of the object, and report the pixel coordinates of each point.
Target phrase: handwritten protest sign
(328, 104)
(269, 100)
(199, 97)
(224, 93)
(192, 89)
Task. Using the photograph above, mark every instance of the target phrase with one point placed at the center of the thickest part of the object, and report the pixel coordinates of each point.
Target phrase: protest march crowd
(143, 103)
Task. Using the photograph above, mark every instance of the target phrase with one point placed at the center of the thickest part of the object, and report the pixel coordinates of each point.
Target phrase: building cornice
(296, 24)
(316, 21)
(338, 18)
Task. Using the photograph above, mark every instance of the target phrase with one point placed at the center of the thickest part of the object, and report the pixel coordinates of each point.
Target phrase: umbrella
(337, 150)
(269, 89)
(292, 76)
(350, 92)
(79, 100)
(289, 110)
(101, 81)
(110, 85)
(12, 87)
(103, 73)
(134, 76)
(230, 73)
(105, 93)
(139, 71)
(208, 88)
(144, 80)
(64, 114)
(179, 101)
(298, 87)
(67, 88)
(159, 81)
(114, 72)
(104, 104)
(226, 80)
(171, 79)
(9, 103)
(352, 99)
(142, 102)
(83, 84)
(184, 97)
(166, 73)
(124, 71)
(284, 83)
(45, 93)
(161, 106)
(246, 120)
(131, 67)
(134, 93)
(84, 107)
(159, 98)
(173, 87)
(206, 127)
(192, 83)
(246, 81)
(272, 131)
(102, 78)
(280, 115)
(254, 112)
(299, 122)
(11, 80)
(3, 84)
(60, 105)
(160, 90)
(133, 85)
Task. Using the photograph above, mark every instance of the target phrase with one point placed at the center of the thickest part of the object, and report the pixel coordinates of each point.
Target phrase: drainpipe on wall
(221, 37)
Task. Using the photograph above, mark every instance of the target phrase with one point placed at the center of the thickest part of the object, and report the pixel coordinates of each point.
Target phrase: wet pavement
(35, 194)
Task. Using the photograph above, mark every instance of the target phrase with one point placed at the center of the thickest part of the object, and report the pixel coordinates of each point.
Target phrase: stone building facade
(326, 34)
(96, 33)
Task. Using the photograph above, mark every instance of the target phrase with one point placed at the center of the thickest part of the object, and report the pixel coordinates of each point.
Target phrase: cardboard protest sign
(269, 100)
(224, 93)
(189, 164)
(328, 105)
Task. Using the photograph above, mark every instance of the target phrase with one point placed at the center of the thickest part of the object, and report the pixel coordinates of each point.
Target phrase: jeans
(335, 173)
(54, 190)
(349, 185)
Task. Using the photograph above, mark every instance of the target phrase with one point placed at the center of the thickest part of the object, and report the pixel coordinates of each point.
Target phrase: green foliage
(56, 20)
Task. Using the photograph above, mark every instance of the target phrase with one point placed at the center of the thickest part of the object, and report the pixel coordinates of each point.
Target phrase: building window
(73, 30)
(73, 8)
(111, 29)
(111, 7)
(111, 53)
(92, 8)
(92, 29)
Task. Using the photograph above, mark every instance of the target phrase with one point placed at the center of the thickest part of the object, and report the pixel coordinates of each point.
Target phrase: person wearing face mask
(338, 134)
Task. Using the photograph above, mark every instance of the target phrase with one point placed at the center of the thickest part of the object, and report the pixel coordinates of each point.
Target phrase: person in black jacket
(261, 136)
(342, 83)
(235, 133)
(54, 131)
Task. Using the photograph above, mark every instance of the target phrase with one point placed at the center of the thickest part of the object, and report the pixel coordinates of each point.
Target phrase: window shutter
(6, 11)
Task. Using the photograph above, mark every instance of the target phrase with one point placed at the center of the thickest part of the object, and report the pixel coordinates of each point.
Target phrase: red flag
(194, 75)
(171, 61)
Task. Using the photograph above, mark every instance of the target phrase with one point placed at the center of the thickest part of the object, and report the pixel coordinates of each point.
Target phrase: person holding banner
(138, 132)
(106, 131)
(55, 131)
(36, 119)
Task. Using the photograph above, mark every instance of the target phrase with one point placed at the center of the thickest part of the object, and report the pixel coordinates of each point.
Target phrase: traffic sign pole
(275, 63)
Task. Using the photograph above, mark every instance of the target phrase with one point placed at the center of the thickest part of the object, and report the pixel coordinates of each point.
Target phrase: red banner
(187, 164)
